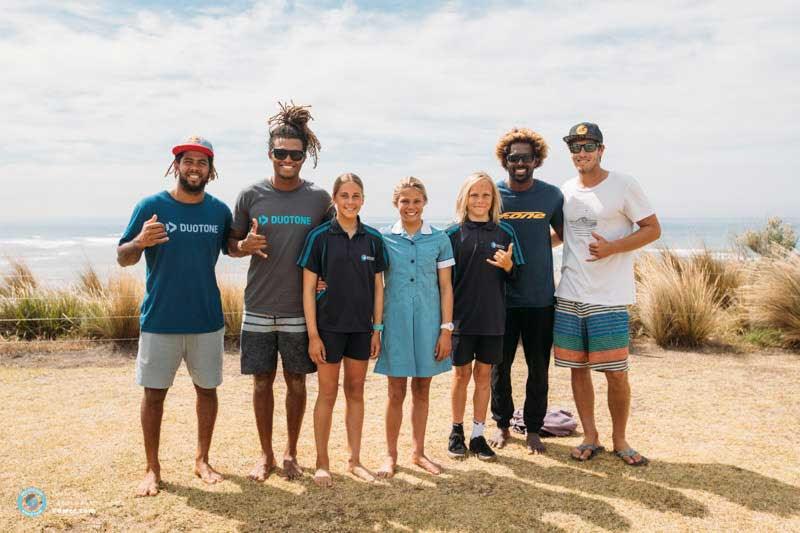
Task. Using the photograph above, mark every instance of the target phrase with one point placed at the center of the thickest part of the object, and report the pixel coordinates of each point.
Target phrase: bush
(232, 296)
(114, 311)
(678, 304)
(774, 240)
(772, 299)
(34, 313)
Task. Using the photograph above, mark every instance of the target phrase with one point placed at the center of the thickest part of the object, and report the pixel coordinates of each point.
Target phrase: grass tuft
(772, 299)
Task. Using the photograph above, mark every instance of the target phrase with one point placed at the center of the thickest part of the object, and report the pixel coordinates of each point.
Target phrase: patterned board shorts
(264, 337)
(591, 336)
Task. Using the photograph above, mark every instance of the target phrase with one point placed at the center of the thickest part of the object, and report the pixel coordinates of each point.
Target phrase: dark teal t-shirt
(532, 213)
(181, 294)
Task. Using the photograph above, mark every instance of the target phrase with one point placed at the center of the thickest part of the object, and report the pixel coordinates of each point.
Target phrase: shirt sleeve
(311, 256)
(381, 256)
(226, 230)
(636, 205)
(557, 220)
(445, 258)
(241, 214)
(140, 213)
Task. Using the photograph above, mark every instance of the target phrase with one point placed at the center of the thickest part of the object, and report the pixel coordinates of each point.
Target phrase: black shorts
(487, 349)
(265, 336)
(350, 345)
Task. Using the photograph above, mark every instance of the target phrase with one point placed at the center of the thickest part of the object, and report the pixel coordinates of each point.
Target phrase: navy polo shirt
(479, 306)
(348, 266)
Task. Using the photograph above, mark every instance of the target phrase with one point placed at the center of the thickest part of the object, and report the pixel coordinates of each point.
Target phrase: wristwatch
(449, 326)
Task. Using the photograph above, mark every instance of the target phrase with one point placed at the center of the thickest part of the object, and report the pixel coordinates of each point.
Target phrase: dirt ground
(719, 428)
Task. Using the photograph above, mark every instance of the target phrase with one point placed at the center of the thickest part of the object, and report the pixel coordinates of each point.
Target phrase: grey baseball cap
(584, 131)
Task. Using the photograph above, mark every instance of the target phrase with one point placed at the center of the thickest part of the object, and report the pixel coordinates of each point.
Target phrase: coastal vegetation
(750, 296)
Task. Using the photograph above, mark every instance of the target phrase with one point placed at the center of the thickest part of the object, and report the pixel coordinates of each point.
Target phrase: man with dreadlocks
(181, 233)
(271, 220)
(532, 207)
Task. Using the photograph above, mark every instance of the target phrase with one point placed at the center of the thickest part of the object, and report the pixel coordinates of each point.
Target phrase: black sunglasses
(280, 154)
(517, 158)
(575, 148)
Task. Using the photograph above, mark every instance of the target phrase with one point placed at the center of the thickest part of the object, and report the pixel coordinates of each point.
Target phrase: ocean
(56, 251)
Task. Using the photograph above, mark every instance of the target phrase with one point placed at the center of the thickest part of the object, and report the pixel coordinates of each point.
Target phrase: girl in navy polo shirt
(486, 251)
(344, 321)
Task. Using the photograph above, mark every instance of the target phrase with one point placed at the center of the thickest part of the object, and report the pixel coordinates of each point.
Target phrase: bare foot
(358, 470)
(291, 469)
(426, 464)
(323, 478)
(500, 438)
(535, 444)
(204, 471)
(262, 469)
(388, 469)
(149, 485)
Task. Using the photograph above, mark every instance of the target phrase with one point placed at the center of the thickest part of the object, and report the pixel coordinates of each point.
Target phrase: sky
(697, 100)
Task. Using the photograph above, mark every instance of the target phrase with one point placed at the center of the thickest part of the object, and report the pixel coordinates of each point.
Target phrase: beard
(188, 187)
(523, 178)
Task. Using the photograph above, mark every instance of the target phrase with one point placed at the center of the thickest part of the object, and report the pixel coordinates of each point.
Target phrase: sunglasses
(575, 148)
(519, 158)
(280, 154)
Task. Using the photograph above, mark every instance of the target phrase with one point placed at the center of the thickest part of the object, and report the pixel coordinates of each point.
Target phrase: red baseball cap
(194, 142)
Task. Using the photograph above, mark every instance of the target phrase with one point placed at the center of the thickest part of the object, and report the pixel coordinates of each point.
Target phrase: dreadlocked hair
(521, 135)
(173, 167)
(291, 122)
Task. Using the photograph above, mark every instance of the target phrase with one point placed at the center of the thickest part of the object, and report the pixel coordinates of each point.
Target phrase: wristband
(377, 327)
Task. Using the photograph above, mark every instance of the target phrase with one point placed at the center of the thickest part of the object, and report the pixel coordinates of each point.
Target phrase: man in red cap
(181, 233)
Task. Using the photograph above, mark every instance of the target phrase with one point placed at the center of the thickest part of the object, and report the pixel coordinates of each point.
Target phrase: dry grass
(677, 303)
(719, 430)
(19, 278)
(773, 297)
(232, 295)
(114, 311)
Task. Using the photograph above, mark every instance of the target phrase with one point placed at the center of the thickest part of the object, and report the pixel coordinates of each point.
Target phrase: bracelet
(377, 327)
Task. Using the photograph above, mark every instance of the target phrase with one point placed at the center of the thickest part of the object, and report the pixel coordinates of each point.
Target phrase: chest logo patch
(497, 246)
(367, 258)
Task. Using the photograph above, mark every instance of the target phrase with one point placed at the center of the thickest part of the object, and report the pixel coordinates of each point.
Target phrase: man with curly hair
(271, 220)
(532, 207)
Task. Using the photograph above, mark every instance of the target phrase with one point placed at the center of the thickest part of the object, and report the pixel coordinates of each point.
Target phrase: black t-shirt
(479, 288)
(348, 266)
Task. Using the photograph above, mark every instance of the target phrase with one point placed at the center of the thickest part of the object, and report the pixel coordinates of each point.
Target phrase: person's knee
(327, 393)
(580, 373)
(263, 382)
(155, 397)
(210, 394)
(397, 392)
(617, 379)
(354, 389)
(420, 387)
(463, 374)
(295, 383)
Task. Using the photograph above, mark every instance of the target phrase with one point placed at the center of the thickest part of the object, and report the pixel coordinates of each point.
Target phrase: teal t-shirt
(181, 293)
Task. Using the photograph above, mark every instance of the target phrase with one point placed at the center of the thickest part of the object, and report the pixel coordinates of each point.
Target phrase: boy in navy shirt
(486, 252)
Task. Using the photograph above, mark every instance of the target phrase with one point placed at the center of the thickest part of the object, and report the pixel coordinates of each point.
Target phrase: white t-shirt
(610, 209)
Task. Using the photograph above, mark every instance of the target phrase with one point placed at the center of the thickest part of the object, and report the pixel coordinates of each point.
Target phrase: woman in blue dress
(417, 315)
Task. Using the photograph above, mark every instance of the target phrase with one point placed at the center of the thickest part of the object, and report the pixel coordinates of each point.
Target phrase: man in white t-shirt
(601, 212)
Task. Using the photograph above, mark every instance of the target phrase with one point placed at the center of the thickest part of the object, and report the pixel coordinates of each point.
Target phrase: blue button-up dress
(411, 307)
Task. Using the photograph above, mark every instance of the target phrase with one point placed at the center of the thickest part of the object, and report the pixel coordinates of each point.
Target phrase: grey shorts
(160, 355)
(265, 336)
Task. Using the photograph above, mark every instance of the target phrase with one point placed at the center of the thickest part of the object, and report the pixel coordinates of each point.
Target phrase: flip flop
(593, 448)
(630, 452)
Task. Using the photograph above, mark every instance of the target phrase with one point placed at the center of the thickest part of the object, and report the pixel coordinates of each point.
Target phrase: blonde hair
(347, 177)
(463, 196)
(409, 183)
